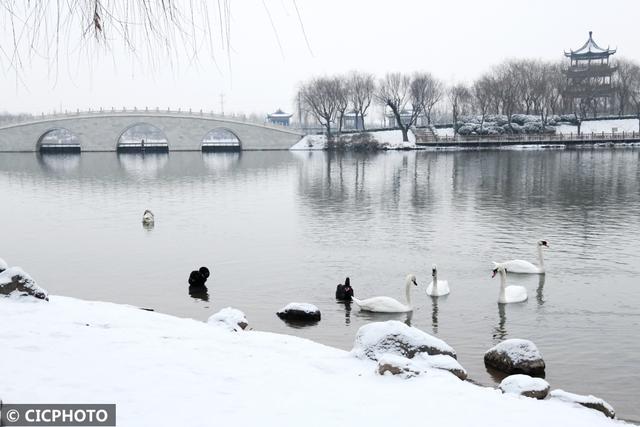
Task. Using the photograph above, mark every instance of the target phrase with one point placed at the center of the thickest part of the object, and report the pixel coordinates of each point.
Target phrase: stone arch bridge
(102, 131)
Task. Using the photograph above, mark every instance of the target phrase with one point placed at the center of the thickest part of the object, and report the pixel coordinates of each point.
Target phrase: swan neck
(540, 258)
(435, 280)
(408, 292)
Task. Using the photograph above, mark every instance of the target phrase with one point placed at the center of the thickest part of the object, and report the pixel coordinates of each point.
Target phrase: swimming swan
(387, 304)
(147, 217)
(344, 292)
(508, 294)
(437, 288)
(525, 267)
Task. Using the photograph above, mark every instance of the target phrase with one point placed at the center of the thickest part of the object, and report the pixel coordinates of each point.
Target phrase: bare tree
(482, 93)
(318, 96)
(362, 87)
(459, 95)
(508, 89)
(341, 92)
(551, 86)
(634, 91)
(432, 93)
(394, 92)
(623, 83)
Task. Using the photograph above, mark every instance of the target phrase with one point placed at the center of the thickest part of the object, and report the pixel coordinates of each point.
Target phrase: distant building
(279, 118)
(405, 116)
(589, 88)
(353, 121)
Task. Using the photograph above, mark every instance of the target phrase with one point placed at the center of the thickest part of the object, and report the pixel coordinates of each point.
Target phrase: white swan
(387, 304)
(525, 267)
(437, 288)
(508, 294)
(148, 217)
(3, 265)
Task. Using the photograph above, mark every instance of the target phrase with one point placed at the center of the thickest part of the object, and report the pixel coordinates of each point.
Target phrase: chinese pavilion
(589, 76)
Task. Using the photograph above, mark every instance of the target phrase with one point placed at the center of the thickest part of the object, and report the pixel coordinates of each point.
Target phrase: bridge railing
(13, 120)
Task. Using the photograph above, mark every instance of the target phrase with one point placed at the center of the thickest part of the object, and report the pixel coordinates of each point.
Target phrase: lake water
(277, 227)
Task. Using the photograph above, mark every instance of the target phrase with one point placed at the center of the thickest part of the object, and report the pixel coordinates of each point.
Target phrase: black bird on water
(197, 280)
(344, 292)
(199, 277)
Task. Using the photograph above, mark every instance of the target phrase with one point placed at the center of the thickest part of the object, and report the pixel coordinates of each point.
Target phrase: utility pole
(222, 104)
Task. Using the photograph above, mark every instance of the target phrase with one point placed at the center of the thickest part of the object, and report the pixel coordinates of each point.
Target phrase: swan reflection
(540, 290)
(500, 332)
(199, 293)
(434, 314)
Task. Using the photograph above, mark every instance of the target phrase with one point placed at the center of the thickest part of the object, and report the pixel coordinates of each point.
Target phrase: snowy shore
(166, 371)
(386, 140)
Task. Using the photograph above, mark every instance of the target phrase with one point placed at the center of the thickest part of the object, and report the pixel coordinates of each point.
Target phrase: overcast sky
(456, 40)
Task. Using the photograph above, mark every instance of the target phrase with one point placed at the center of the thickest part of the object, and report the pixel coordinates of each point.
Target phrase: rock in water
(299, 312)
(524, 385)
(394, 337)
(14, 281)
(516, 356)
(229, 318)
(590, 402)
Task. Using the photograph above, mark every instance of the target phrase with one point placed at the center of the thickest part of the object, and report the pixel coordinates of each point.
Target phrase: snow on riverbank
(166, 371)
(388, 139)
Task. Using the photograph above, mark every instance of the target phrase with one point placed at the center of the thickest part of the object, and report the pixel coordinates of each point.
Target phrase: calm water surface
(277, 227)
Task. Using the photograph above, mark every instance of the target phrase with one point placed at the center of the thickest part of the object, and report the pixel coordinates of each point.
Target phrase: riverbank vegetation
(511, 90)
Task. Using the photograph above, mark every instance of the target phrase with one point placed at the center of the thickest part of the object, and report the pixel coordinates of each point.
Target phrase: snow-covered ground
(588, 126)
(444, 132)
(166, 371)
(389, 139)
(599, 126)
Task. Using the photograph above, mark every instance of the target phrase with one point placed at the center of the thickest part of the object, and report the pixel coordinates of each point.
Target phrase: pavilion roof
(280, 113)
(590, 49)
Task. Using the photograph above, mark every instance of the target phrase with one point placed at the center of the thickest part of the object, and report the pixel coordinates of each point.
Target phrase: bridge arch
(142, 137)
(221, 139)
(58, 140)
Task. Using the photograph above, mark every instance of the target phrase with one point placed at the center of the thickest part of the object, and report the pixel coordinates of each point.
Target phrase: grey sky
(455, 40)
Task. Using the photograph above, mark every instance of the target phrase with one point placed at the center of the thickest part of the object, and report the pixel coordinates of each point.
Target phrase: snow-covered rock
(376, 339)
(398, 365)
(299, 312)
(229, 318)
(590, 402)
(15, 282)
(3, 265)
(442, 362)
(516, 356)
(421, 363)
(524, 385)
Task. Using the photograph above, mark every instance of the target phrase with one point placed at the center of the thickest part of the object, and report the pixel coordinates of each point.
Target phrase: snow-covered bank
(386, 140)
(166, 371)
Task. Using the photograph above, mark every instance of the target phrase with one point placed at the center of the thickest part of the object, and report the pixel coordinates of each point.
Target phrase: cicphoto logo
(57, 415)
